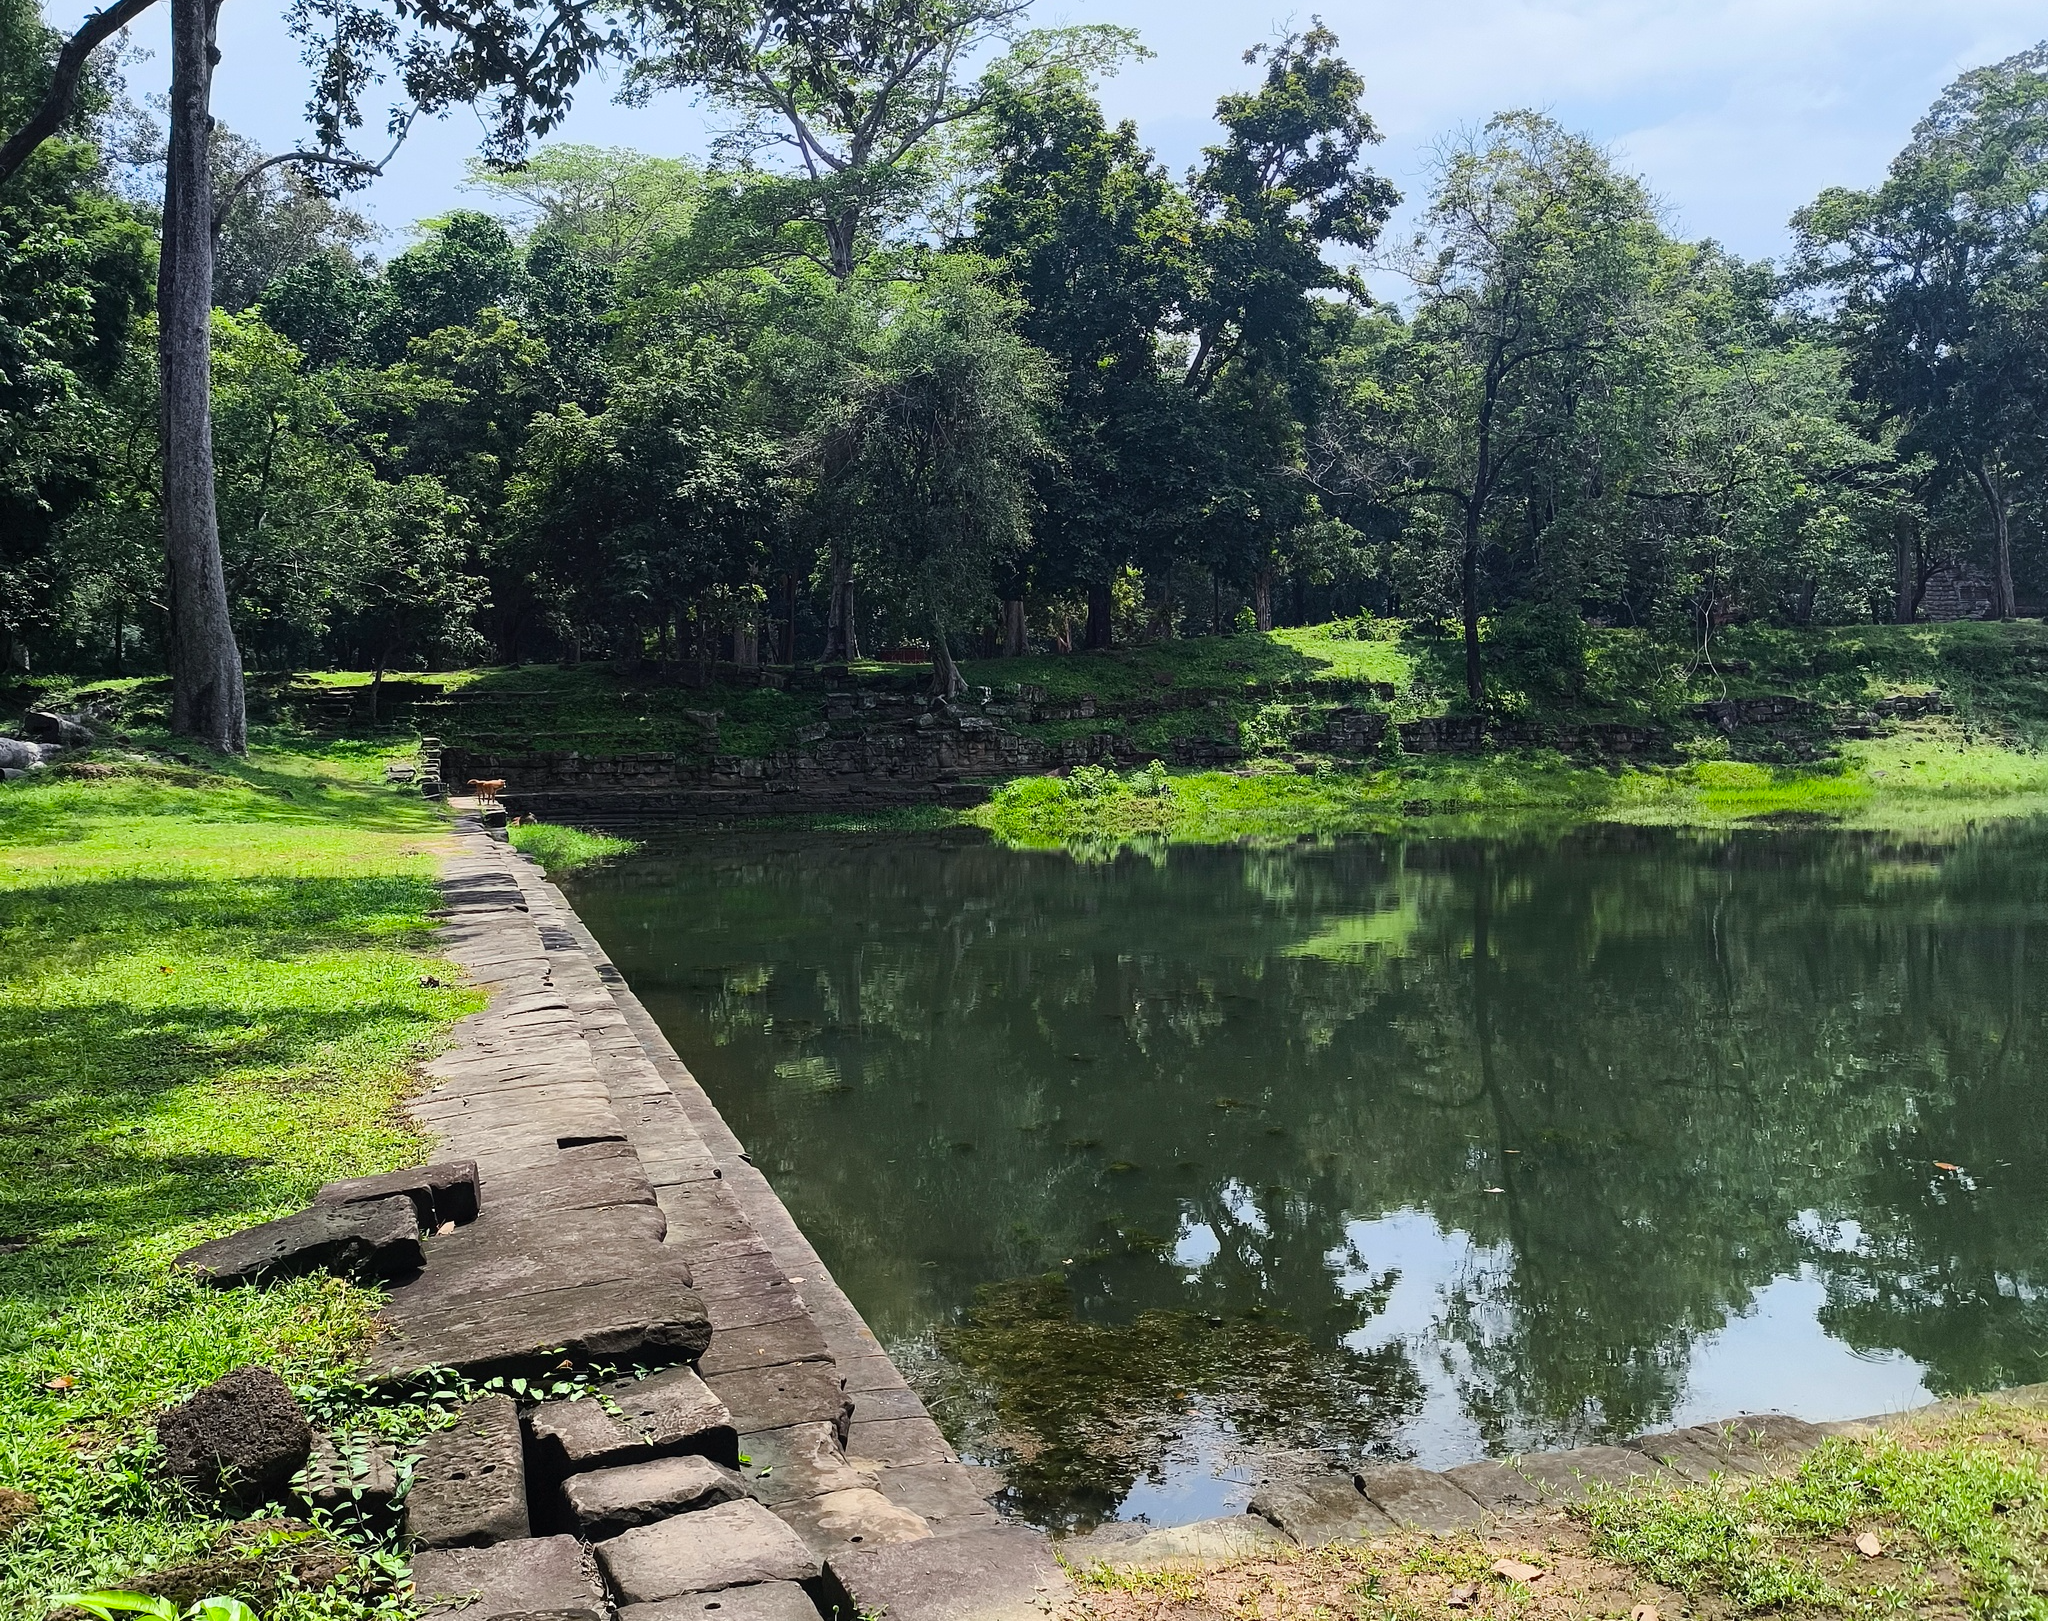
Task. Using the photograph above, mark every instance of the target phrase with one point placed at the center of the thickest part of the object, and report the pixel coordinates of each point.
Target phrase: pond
(1154, 1169)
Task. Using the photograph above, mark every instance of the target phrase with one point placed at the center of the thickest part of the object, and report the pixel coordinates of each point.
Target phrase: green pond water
(1160, 1173)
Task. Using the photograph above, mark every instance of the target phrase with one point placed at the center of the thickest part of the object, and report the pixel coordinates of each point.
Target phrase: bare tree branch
(62, 96)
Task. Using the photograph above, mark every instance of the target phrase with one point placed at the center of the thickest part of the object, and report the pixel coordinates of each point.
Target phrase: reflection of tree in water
(1674, 1055)
(1080, 1411)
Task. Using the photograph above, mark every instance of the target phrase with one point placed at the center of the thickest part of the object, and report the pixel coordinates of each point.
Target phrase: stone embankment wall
(755, 1440)
(889, 747)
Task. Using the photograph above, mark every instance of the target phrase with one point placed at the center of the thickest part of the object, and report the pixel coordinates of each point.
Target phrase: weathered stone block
(349, 1474)
(542, 1576)
(764, 1601)
(606, 1502)
(439, 1193)
(900, 1442)
(789, 1393)
(379, 1239)
(1418, 1499)
(765, 1345)
(1751, 1445)
(469, 1486)
(857, 1518)
(1205, 1542)
(948, 1497)
(648, 1321)
(804, 1460)
(732, 1545)
(663, 1415)
(1445, 734)
(1547, 1477)
(1320, 1510)
(242, 1438)
(1003, 1574)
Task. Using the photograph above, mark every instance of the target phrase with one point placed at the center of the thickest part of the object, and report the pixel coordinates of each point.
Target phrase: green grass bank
(1857, 755)
(215, 989)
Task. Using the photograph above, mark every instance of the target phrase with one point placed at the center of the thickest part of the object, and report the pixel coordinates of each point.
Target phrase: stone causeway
(758, 1457)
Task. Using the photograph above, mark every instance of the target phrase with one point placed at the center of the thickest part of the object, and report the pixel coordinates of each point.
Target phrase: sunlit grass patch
(214, 993)
(1944, 1517)
(565, 849)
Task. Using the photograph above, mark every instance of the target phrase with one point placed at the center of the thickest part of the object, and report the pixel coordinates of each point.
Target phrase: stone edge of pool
(622, 1223)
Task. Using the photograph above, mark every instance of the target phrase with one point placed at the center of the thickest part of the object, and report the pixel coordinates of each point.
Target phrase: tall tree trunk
(947, 681)
(842, 641)
(746, 644)
(1905, 570)
(1468, 591)
(1991, 484)
(1262, 599)
(1013, 627)
(206, 665)
(1101, 631)
(788, 620)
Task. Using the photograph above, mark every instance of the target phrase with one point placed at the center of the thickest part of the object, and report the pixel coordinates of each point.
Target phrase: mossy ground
(1955, 1505)
(215, 989)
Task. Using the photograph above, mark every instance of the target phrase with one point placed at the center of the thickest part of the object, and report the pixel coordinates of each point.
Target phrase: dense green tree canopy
(933, 352)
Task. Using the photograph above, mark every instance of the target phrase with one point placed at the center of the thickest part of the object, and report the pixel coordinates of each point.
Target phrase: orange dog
(487, 792)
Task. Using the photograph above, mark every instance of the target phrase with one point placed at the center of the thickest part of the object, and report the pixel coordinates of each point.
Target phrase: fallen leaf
(1515, 1571)
(1868, 1545)
(444, 1229)
(1463, 1596)
(1643, 1612)
(1943, 1165)
(62, 1382)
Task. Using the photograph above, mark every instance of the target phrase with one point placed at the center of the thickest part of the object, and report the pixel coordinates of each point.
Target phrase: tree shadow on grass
(113, 1129)
(65, 925)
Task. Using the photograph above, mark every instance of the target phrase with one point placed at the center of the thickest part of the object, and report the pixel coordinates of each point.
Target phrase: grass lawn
(1943, 1516)
(214, 993)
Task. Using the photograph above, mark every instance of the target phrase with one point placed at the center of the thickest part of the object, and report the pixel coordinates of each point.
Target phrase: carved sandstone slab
(663, 1415)
(378, 1239)
(732, 1545)
(469, 1486)
(606, 1502)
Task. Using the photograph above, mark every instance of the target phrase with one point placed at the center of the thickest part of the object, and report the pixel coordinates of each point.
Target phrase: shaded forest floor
(1943, 1514)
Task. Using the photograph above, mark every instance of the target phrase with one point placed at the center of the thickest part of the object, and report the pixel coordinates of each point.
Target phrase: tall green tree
(1940, 283)
(1099, 245)
(1533, 277)
(924, 455)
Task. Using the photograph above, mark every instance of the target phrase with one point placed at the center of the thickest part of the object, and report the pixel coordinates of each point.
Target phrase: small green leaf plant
(108, 1605)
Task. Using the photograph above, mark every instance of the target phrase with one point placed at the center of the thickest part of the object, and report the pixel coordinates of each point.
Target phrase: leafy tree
(468, 264)
(626, 519)
(1939, 276)
(272, 219)
(1098, 244)
(1533, 277)
(924, 454)
(74, 274)
(526, 60)
(863, 93)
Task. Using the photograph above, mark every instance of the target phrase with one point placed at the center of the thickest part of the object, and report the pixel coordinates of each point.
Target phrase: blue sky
(1735, 111)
